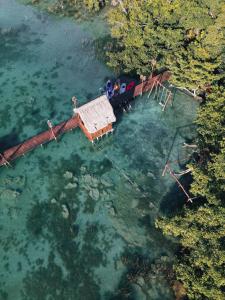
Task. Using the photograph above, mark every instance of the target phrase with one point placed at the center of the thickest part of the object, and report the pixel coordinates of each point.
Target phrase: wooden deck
(37, 140)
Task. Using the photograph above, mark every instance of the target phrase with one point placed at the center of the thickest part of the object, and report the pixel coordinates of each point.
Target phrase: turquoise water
(75, 218)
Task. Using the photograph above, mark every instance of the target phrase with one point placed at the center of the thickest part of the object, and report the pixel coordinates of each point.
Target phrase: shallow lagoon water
(113, 190)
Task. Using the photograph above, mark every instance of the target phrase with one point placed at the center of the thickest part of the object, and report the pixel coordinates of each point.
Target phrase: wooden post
(74, 100)
(143, 78)
(51, 128)
(153, 85)
(190, 145)
(167, 167)
(164, 170)
(156, 89)
(167, 99)
(5, 160)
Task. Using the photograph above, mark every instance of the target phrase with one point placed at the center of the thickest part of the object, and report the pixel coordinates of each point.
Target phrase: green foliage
(95, 4)
(201, 230)
(78, 9)
(201, 264)
(185, 36)
(92, 4)
(211, 119)
(209, 175)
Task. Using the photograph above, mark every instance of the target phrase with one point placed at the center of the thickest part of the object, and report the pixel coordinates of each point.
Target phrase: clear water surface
(113, 191)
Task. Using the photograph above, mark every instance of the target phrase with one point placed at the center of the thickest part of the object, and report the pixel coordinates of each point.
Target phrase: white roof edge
(96, 114)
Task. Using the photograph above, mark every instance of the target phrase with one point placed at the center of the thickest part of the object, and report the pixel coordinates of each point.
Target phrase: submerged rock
(90, 181)
(65, 211)
(94, 194)
(141, 281)
(13, 212)
(106, 183)
(164, 258)
(111, 208)
(108, 204)
(53, 201)
(14, 182)
(94, 182)
(87, 179)
(75, 206)
(68, 175)
(62, 196)
(119, 264)
(5, 31)
(9, 194)
(71, 185)
(83, 169)
(75, 179)
(112, 211)
(105, 196)
(151, 205)
(134, 203)
(151, 175)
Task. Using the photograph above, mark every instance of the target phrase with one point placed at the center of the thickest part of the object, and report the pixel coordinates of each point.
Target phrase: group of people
(114, 89)
(111, 89)
(117, 88)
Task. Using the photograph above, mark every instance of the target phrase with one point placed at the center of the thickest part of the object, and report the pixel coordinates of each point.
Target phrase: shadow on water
(139, 278)
(157, 235)
(9, 140)
(184, 131)
(14, 42)
(175, 199)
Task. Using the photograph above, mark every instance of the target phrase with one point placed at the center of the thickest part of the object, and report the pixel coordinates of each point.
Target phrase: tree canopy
(184, 36)
(201, 229)
(79, 9)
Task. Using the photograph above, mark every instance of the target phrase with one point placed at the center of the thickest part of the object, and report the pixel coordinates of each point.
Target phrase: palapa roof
(96, 114)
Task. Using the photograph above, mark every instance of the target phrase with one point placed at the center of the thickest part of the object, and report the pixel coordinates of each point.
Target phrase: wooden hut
(96, 117)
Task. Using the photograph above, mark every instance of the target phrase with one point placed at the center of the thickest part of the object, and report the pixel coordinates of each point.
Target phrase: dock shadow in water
(9, 140)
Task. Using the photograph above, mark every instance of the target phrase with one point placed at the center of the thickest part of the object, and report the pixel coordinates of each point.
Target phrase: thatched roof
(96, 114)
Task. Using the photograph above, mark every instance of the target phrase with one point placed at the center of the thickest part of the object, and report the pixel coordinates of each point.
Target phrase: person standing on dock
(74, 100)
(116, 87)
(51, 128)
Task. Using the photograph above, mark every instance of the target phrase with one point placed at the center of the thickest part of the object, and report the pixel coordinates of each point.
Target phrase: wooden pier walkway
(54, 131)
(39, 139)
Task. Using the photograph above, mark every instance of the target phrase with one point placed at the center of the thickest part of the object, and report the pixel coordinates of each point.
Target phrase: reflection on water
(76, 220)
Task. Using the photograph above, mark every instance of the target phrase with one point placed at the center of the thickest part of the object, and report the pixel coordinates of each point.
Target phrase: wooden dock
(37, 140)
(54, 131)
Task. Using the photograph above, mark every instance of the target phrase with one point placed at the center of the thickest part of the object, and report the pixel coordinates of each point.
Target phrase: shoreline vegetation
(186, 37)
(76, 9)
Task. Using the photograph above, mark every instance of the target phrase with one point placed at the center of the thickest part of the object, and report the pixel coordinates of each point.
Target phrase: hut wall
(84, 129)
(92, 136)
(101, 131)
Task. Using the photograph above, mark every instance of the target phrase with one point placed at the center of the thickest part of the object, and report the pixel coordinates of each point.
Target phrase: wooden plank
(39, 139)
(147, 85)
